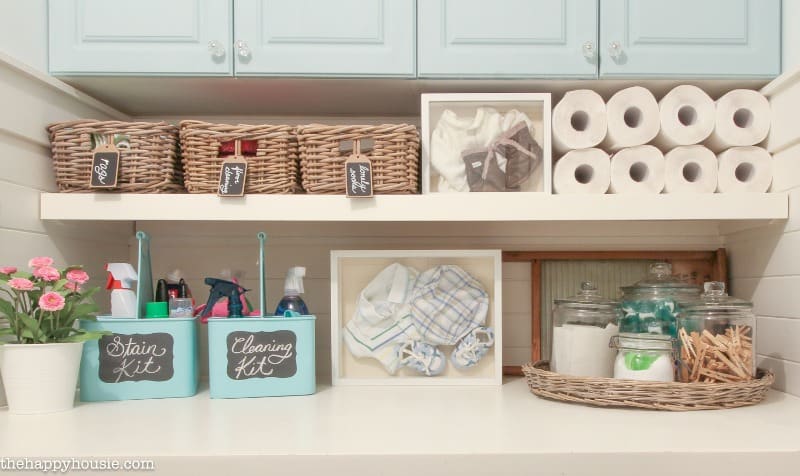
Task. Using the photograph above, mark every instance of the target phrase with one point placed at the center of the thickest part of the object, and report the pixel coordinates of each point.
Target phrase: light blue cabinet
(690, 38)
(141, 37)
(507, 38)
(325, 37)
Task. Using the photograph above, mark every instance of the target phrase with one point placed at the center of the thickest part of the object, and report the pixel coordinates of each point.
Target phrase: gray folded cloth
(521, 151)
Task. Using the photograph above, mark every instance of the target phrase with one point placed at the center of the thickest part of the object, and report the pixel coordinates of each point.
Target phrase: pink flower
(78, 276)
(8, 270)
(74, 287)
(47, 273)
(51, 301)
(40, 261)
(20, 284)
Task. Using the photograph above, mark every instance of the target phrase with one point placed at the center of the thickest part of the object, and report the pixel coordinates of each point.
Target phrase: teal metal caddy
(141, 358)
(261, 356)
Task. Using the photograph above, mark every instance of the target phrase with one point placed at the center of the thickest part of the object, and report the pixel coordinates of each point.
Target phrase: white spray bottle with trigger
(121, 277)
(292, 303)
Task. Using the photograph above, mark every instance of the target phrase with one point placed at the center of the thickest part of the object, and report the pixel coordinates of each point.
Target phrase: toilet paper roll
(637, 170)
(743, 118)
(744, 169)
(633, 118)
(582, 171)
(579, 121)
(690, 169)
(687, 117)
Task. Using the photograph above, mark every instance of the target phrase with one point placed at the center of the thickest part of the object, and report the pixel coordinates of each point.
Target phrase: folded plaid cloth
(446, 304)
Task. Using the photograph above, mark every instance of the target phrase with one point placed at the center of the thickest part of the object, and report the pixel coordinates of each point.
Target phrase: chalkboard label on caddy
(232, 178)
(261, 354)
(136, 357)
(105, 169)
(358, 176)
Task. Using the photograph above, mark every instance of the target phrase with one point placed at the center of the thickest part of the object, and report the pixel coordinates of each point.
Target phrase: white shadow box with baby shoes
(486, 142)
(430, 317)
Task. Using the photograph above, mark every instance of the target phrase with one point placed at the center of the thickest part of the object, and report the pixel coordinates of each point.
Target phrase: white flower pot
(40, 378)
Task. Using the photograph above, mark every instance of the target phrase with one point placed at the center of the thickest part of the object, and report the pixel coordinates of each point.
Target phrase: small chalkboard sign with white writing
(261, 354)
(136, 357)
(232, 177)
(358, 176)
(105, 167)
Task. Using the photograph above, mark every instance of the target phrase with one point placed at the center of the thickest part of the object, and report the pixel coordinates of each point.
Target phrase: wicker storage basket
(674, 396)
(149, 165)
(273, 169)
(394, 157)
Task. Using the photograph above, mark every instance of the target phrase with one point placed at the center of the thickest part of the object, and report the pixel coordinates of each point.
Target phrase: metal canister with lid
(716, 335)
(583, 325)
(650, 306)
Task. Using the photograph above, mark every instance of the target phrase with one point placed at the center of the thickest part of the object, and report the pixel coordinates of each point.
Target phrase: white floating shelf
(415, 431)
(472, 207)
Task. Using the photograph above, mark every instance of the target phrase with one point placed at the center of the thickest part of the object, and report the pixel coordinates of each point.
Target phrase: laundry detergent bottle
(293, 288)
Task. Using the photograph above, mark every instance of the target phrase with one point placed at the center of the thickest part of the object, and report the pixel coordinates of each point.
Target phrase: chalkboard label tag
(105, 167)
(358, 176)
(232, 177)
(261, 354)
(136, 357)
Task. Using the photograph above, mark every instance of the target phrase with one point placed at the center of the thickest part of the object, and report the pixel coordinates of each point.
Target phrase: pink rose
(47, 273)
(51, 301)
(74, 287)
(20, 284)
(8, 270)
(40, 261)
(78, 276)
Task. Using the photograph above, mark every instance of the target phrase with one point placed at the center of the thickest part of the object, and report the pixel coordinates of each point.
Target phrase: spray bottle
(293, 288)
(121, 277)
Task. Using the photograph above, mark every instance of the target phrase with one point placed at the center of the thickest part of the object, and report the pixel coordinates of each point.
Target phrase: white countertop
(403, 430)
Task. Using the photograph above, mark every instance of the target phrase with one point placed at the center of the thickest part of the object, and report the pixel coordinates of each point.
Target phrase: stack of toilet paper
(685, 143)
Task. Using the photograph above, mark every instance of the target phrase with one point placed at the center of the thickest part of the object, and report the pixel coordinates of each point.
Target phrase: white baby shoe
(472, 347)
(422, 357)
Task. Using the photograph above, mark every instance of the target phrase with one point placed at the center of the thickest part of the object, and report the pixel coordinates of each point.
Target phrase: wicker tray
(607, 392)
(273, 169)
(394, 157)
(148, 164)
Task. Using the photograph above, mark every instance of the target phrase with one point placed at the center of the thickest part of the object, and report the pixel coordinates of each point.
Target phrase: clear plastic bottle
(293, 288)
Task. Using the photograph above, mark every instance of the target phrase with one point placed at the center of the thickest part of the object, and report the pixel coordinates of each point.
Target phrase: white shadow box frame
(352, 270)
(537, 106)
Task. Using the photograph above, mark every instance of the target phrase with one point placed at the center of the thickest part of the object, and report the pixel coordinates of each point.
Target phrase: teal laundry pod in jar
(651, 305)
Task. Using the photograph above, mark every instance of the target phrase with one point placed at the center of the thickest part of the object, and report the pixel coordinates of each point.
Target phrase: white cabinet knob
(216, 49)
(615, 50)
(243, 50)
(588, 50)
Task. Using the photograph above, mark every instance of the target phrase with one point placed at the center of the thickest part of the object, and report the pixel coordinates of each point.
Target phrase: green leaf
(7, 309)
(84, 336)
(59, 285)
(6, 331)
(31, 325)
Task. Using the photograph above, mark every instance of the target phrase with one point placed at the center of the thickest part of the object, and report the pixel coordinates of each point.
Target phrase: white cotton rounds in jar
(633, 119)
(579, 121)
(637, 170)
(690, 169)
(744, 169)
(583, 171)
(743, 118)
(687, 115)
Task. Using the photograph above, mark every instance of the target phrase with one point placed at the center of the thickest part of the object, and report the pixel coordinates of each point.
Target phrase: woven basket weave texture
(674, 396)
(394, 157)
(149, 165)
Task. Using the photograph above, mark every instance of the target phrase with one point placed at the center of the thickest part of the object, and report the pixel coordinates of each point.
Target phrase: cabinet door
(325, 37)
(507, 38)
(690, 38)
(140, 37)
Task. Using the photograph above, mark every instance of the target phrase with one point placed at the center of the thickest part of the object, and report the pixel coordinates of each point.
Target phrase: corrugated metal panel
(562, 279)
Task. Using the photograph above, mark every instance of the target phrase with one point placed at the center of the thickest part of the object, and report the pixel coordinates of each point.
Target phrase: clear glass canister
(650, 306)
(646, 357)
(716, 335)
(583, 325)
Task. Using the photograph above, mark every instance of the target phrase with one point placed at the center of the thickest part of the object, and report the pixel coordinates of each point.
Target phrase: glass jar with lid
(648, 357)
(716, 336)
(650, 305)
(582, 327)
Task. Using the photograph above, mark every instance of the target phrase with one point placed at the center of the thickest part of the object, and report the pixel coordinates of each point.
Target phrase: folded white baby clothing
(447, 303)
(382, 319)
(454, 135)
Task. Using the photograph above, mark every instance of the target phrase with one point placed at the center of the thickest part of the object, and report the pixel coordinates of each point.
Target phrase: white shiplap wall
(30, 102)
(765, 262)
